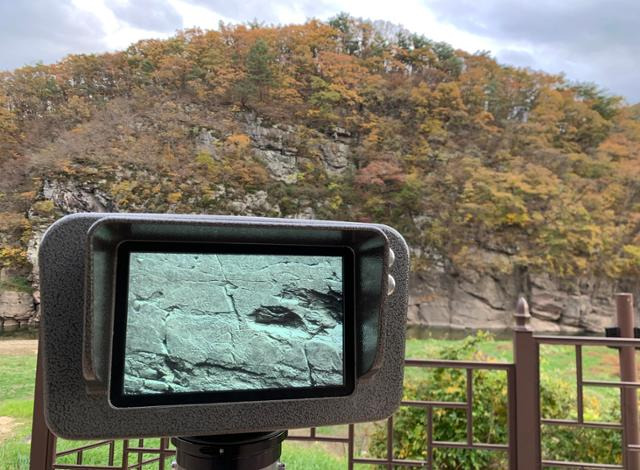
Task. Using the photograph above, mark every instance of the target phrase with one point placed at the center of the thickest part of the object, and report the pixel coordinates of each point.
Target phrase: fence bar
(74, 466)
(43, 442)
(579, 397)
(390, 442)
(526, 358)
(583, 424)
(112, 451)
(580, 465)
(164, 443)
(351, 447)
(140, 455)
(629, 396)
(430, 438)
(436, 404)
(588, 341)
(397, 462)
(611, 383)
(449, 364)
(470, 406)
(464, 445)
(511, 423)
(337, 439)
(125, 454)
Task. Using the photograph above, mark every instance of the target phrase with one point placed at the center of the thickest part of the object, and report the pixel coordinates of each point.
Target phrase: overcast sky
(588, 40)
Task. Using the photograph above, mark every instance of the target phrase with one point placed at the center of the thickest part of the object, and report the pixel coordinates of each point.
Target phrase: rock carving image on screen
(220, 322)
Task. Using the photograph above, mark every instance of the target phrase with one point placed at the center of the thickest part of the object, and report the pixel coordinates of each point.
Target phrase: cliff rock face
(440, 296)
(68, 197)
(254, 204)
(470, 299)
(233, 322)
(16, 308)
(278, 148)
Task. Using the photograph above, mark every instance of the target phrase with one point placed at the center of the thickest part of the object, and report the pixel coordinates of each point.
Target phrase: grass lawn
(17, 372)
(17, 375)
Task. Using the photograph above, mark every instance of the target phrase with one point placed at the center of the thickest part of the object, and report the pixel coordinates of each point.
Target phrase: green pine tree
(260, 76)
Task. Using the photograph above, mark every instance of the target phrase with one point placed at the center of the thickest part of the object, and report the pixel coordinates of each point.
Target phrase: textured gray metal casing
(73, 410)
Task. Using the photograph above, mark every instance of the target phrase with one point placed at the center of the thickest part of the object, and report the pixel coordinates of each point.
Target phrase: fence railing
(524, 421)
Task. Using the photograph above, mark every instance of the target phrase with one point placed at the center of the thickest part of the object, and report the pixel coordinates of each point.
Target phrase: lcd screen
(216, 323)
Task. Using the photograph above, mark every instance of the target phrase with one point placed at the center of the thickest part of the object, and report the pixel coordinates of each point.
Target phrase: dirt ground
(7, 425)
(18, 347)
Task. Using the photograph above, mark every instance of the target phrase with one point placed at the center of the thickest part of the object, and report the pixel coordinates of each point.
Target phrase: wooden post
(628, 396)
(526, 359)
(43, 442)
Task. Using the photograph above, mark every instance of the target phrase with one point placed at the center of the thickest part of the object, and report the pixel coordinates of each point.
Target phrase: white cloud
(198, 15)
(414, 15)
(578, 37)
(117, 33)
(589, 40)
(290, 14)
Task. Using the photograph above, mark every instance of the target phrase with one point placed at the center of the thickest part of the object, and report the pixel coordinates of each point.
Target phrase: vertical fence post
(628, 396)
(526, 360)
(43, 442)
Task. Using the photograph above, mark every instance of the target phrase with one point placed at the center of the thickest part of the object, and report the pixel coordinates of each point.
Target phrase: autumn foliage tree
(459, 152)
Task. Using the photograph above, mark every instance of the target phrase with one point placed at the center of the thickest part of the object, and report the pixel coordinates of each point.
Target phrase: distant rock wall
(278, 148)
(443, 299)
(469, 299)
(16, 308)
(440, 296)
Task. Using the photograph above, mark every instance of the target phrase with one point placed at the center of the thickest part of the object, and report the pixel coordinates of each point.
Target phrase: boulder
(254, 204)
(207, 142)
(9, 324)
(16, 306)
(335, 156)
(71, 196)
(282, 167)
(468, 311)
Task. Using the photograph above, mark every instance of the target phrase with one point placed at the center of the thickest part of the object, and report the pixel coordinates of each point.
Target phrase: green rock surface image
(220, 322)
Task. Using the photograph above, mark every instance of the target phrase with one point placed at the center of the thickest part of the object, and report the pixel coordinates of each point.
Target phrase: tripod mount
(251, 451)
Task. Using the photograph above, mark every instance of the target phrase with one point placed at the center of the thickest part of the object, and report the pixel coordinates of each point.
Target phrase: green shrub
(44, 208)
(490, 406)
(13, 257)
(17, 283)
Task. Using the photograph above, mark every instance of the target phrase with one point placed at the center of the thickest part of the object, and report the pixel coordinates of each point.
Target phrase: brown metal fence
(522, 447)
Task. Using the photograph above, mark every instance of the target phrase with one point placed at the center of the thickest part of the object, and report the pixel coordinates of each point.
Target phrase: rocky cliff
(486, 300)
(339, 120)
(441, 295)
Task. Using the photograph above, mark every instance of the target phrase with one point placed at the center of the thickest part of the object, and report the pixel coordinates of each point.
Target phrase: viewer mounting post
(253, 451)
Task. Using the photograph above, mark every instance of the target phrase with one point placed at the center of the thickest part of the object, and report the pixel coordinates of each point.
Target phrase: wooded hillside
(453, 149)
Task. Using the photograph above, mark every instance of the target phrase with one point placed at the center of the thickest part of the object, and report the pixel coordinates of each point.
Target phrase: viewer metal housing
(77, 269)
